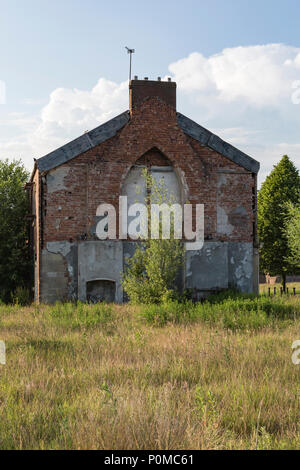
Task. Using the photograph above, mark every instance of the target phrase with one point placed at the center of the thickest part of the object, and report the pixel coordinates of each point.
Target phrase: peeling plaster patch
(220, 265)
(238, 216)
(64, 251)
(69, 252)
(183, 184)
(222, 179)
(223, 225)
(54, 283)
(59, 247)
(241, 271)
(55, 179)
(207, 269)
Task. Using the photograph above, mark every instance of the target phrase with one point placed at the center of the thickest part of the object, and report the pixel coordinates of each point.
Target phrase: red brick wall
(139, 90)
(153, 158)
(97, 176)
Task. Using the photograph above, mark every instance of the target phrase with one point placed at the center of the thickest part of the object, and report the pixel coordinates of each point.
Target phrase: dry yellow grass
(122, 384)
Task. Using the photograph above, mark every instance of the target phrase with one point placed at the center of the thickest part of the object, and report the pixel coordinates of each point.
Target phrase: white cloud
(236, 135)
(248, 96)
(268, 156)
(243, 94)
(68, 114)
(257, 75)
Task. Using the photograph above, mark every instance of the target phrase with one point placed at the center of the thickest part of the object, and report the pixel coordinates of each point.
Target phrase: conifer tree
(280, 188)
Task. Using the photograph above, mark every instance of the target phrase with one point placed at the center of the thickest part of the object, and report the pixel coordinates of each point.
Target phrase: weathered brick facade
(69, 189)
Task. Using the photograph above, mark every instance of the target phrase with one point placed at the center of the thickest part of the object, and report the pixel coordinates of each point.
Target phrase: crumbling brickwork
(67, 196)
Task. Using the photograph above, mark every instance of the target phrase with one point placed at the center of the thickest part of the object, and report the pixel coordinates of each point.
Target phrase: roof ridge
(206, 137)
(81, 144)
(109, 129)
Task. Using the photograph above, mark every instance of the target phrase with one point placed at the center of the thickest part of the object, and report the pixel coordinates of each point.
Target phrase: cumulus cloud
(68, 114)
(250, 96)
(257, 75)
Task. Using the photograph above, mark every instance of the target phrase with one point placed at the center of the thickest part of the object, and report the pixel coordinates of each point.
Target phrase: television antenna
(130, 51)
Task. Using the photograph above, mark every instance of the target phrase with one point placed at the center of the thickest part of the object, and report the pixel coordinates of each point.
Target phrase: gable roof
(107, 130)
(83, 143)
(211, 140)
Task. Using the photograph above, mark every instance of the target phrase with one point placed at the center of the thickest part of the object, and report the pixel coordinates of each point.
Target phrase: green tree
(15, 263)
(151, 273)
(281, 187)
(293, 234)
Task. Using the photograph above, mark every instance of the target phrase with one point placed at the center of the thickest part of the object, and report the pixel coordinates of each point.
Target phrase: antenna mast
(130, 51)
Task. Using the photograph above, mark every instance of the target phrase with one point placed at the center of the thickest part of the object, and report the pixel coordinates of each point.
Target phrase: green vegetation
(151, 272)
(281, 188)
(216, 375)
(293, 234)
(235, 312)
(15, 263)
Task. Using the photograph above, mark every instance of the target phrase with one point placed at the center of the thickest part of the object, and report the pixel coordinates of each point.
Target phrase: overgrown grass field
(217, 375)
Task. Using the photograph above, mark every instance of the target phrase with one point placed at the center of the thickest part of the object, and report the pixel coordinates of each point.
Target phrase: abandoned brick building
(68, 184)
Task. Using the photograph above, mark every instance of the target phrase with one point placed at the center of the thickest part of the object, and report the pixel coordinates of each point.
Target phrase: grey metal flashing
(83, 143)
(107, 130)
(211, 140)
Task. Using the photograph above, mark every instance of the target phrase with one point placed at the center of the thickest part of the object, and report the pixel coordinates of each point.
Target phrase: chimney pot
(158, 79)
(146, 78)
(135, 77)
(169, 79)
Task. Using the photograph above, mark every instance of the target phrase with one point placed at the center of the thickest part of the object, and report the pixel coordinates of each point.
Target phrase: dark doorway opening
(100, 290)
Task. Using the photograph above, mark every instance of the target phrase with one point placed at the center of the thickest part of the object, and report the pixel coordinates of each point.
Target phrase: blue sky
(50, 49)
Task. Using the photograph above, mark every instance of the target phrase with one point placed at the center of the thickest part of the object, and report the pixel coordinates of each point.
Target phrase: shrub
(21, 296)
(151, 273)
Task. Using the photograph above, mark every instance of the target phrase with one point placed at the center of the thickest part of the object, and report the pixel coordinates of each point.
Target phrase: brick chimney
(139, 90)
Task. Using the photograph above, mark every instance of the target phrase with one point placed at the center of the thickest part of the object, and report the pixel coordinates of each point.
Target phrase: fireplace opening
(100, 290)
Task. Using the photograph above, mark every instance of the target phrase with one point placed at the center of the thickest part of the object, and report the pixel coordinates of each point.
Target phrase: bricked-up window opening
(100, 290)
(160, 167)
